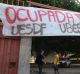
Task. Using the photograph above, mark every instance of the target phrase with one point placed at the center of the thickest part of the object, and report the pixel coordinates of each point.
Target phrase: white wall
(25, 52)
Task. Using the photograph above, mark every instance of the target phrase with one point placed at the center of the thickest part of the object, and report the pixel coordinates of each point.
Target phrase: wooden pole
(23, 3)
(7, 1)
(1, 1)
(12, 2)
(29, 4)
(18, 2)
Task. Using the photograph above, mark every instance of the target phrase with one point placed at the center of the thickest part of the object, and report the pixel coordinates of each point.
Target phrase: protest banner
(32, 21)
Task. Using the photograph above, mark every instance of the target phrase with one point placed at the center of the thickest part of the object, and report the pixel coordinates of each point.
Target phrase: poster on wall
(32, 21)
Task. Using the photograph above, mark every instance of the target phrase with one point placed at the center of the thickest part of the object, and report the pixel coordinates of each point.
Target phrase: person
(40, 60)
(56, 62)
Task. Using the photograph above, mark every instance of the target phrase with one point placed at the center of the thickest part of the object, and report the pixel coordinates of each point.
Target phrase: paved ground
(50, 70)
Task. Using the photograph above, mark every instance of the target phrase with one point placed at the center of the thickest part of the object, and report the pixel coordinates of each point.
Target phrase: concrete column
(24, 55)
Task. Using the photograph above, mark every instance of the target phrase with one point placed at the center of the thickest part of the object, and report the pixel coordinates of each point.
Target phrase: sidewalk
(48, 69)
(36, 72)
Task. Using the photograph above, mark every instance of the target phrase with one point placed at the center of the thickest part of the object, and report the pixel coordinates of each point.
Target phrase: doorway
(9, 55)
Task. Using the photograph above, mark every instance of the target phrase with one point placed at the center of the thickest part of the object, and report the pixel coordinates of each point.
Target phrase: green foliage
(10, 1)
(36, 1)
(78, 8)
(66, 4)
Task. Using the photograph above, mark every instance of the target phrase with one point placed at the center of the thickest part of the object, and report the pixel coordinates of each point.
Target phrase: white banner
(31, 21)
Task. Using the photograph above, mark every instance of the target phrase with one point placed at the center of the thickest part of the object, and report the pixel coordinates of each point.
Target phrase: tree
(66, 4)
(77, 8)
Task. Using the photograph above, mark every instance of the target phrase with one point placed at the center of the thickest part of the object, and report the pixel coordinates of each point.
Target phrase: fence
(28, 3)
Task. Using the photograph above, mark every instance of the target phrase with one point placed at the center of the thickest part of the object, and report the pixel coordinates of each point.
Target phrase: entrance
(66, 45)
(9, 52)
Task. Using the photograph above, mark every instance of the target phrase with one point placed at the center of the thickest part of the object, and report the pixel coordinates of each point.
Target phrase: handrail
(43, 5)
(35, 4)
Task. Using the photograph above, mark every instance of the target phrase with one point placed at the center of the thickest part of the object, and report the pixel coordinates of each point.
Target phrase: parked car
(65, 62)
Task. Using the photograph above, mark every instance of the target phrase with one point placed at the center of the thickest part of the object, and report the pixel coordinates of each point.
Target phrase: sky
(77, 1)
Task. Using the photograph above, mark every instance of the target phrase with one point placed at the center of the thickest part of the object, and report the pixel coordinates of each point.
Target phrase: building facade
(15, 51)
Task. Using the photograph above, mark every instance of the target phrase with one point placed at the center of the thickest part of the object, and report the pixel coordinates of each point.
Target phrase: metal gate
(9, 53)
